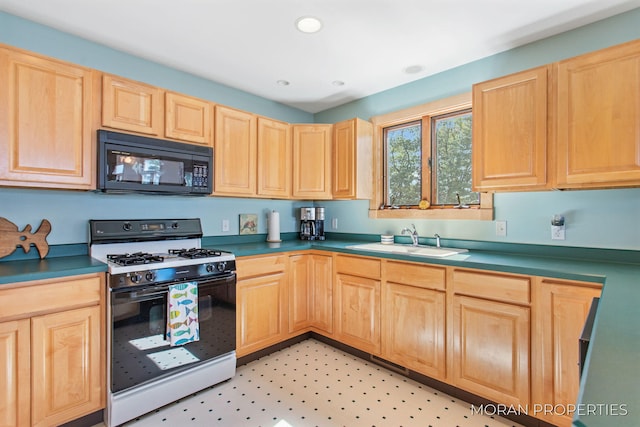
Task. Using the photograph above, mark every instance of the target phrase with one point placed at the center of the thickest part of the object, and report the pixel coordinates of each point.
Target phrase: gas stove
(148, 252)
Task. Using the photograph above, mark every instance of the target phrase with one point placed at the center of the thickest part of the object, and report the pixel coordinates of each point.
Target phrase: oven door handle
(217, 280)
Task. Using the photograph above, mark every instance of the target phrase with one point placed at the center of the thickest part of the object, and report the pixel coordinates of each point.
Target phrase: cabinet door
(312, 161)
(274, 158)
(300, 291)
(262, 312)
(322, 295)
(66, 365)
(132, 106)
(510, 132)
(414, 334)
(235, 152)
(491, 349)
(562, 309)
(45, 122)
(357, 312)
(15, 376)
(598, 118)
(352, 160)
(188, 119)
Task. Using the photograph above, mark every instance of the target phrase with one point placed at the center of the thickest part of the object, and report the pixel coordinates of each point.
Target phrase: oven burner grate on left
(137, 258)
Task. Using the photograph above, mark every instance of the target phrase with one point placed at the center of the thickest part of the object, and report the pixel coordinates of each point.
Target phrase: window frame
(484, 211)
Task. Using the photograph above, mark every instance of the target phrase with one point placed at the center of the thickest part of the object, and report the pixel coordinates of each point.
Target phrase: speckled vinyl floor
(314, 384)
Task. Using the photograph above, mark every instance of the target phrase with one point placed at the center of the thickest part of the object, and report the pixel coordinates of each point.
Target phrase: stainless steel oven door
(138, 350)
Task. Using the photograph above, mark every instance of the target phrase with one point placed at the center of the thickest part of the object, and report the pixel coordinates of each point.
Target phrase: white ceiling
(367, 44)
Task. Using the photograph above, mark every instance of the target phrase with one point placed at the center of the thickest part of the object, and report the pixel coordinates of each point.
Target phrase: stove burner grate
(195, 253)
(137, 258)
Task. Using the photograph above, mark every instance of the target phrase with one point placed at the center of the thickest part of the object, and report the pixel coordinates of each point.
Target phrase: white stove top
(161, 248)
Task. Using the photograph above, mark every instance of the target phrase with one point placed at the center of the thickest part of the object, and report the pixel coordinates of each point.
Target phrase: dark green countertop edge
(611, 373)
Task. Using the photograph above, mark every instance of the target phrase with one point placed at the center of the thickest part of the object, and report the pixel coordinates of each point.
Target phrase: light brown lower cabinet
(413, 311)
(310, 293)
(490, 331)
(561, 310)
(491, 349)
(510, 338)
(52, 350)
(261, 298)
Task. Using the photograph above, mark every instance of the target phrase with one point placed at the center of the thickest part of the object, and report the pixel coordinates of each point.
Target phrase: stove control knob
(209, 268)
(136, 277)
(175, 225)
(127, 226)
(150, 276)
(221, 265)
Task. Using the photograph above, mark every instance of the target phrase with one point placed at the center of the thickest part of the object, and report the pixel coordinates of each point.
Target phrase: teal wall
(595, 218)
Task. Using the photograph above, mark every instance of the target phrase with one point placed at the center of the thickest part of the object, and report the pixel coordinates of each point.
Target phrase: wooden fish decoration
(11, 238)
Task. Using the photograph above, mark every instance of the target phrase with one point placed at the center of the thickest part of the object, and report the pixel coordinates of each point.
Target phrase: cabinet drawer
(423, 276)
(514, 289)
(50, 296)
(257, 266)
(363, 267)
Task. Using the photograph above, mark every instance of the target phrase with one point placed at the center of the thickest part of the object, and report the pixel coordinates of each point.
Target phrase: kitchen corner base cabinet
(46, 122)
(52, 335)
(562, 308)
(310, 293)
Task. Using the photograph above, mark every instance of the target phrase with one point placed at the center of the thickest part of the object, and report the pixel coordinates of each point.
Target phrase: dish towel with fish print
(182, 318)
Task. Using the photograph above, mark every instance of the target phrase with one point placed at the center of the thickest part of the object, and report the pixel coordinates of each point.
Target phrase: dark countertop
(611, 379)
(48, 268)
(611, 373)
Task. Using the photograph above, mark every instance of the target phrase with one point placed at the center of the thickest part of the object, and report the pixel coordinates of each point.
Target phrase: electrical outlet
(225, 225)
(334, 223)
(557, 232)
(501, 228)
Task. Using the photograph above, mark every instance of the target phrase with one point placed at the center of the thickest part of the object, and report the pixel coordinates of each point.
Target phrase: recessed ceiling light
(413, 69)
(337, 83)
(283, 82)
(308, 24)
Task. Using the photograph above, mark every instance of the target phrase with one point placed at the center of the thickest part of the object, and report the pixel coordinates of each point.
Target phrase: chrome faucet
(437, 236)
(414, 234)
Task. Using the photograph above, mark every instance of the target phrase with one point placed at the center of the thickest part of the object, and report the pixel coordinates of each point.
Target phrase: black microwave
(138, 164)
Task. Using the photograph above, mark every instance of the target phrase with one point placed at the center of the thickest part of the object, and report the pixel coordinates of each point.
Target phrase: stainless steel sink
(425, 251)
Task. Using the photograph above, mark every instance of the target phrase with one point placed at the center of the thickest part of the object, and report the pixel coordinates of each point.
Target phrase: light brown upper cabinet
(312, 161)
(598, 118)
(138, 107)
(188, 119)
(132, 106)
(352, 159)
(46, 122)
(571, 124)
(510, 131)
(235, 152)
(274, 158)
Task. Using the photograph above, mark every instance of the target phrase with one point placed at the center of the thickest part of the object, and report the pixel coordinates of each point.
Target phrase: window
(425, 155)
(429, 159)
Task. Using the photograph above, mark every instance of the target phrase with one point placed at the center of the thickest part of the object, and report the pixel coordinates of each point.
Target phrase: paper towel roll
(273, 224)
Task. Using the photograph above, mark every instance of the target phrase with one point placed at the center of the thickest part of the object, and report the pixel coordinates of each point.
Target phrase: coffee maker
(307, 223)
(319, 224)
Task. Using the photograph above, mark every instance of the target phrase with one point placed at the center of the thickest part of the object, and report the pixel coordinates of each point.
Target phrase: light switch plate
(501, 228)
